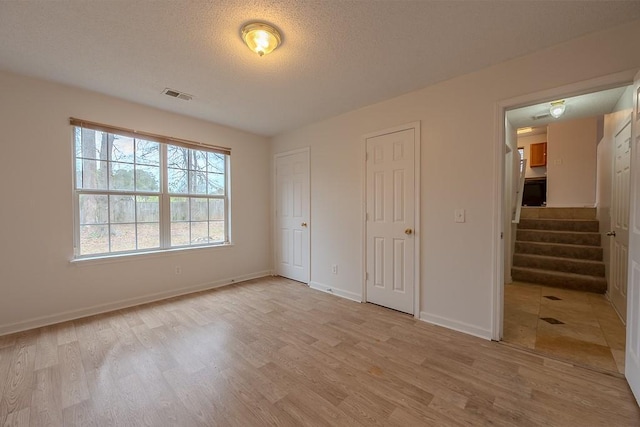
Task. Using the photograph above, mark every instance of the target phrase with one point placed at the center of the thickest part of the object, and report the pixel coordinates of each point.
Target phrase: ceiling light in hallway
(557, 108)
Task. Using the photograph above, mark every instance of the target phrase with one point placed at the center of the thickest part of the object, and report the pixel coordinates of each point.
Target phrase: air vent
(176, 94)
(541, 116)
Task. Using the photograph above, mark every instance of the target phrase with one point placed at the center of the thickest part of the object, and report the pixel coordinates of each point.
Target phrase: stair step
(587, 225)
(559, 250)
(558, 279)
(567, 265)
(565, 237)
(558, 213)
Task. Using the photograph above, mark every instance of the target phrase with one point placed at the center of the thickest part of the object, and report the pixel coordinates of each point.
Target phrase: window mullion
(165, 207)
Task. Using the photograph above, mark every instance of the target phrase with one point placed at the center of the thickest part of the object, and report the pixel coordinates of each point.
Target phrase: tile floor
(579, 327)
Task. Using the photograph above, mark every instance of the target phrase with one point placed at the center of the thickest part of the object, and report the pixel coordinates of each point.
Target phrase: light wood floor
(274, 352)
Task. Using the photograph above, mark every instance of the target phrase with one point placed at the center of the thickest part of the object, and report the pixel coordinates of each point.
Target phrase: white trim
(274, 222)
(579, 88)
(417, 160)
(137, 256)
(334, 291)
(119, 305)
(463, 327)
(497, 245)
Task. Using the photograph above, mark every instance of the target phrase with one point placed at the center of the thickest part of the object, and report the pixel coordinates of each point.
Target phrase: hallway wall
(571, 163)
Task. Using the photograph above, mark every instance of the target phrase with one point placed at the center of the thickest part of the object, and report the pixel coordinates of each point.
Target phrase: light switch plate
(458, 215)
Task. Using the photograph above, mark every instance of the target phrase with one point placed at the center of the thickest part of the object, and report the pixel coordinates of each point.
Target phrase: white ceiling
(337, 55)
(588, 105)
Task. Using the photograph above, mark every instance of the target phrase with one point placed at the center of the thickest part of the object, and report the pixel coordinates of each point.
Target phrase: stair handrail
(520, 191)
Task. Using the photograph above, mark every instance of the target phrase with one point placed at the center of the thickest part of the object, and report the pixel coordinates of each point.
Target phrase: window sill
(108, 259)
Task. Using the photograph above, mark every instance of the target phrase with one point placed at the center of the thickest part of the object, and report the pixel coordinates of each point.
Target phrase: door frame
(417, 219)
(274, 208)
(610, 81)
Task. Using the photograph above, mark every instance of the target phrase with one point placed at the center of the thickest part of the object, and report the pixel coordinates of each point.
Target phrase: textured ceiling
(587, 105)
(337, 55)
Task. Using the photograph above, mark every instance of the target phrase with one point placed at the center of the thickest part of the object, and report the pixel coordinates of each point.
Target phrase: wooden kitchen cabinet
(538, 155)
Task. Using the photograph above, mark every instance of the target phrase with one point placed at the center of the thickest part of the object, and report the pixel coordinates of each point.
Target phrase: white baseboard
(119, 305)
(334, 291)
(455, 325)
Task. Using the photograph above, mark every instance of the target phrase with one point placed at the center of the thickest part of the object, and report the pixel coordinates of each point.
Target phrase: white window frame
(164, 198)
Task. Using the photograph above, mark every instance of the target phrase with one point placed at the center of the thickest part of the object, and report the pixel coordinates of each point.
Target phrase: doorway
(538, 313)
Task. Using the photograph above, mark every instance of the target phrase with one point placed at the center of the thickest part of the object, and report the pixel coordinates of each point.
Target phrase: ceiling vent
(541, 116)
(177, 94)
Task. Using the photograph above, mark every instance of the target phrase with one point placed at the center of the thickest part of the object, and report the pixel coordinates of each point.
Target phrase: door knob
(611, 233)
(408, 231)
(304, 224)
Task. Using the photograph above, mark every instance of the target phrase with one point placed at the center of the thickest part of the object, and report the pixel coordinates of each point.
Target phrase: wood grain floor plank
(66, 332)
(73, 383)
(46, 403)
(6, 355)
(46, 348)
(18, 387)
(20, 418)
(106, 407)
(262, 410)
(80, 415)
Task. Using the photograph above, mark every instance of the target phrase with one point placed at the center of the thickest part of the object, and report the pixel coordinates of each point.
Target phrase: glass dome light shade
(261, 38)
(557, 109)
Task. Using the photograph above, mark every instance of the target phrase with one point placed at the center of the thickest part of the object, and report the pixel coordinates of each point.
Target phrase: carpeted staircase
(559, 247)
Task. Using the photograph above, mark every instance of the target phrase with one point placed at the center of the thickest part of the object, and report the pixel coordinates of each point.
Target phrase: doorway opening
(566, 206)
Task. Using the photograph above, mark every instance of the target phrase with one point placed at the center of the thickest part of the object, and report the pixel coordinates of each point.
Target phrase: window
(521, 152)
(138, 192)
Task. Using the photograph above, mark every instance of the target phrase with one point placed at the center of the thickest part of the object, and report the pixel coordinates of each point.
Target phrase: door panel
(292, 216)
(632, 360)
(390, 184)
(620, 220)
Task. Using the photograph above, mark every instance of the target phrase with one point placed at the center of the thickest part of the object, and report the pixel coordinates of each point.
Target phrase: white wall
(571, 163)
(38, 284)
(612, 124)
(525, 142)
(459, 129)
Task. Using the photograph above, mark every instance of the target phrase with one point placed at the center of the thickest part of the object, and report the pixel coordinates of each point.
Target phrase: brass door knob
(408, 231)
(304, 224)
(611, 233)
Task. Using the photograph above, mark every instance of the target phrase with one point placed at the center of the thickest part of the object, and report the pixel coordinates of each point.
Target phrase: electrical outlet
(178, 269)
(334, 269)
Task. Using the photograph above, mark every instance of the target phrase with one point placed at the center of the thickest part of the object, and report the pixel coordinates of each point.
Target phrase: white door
(632, 361)
(390, 184)
(620, 221)
(292, 215)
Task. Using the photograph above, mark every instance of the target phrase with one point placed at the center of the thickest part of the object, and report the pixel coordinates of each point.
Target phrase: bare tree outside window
(119, 189)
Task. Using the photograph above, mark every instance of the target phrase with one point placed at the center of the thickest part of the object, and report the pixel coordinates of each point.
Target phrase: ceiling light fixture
(557, 108)
(524, 130)
(261, 38)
